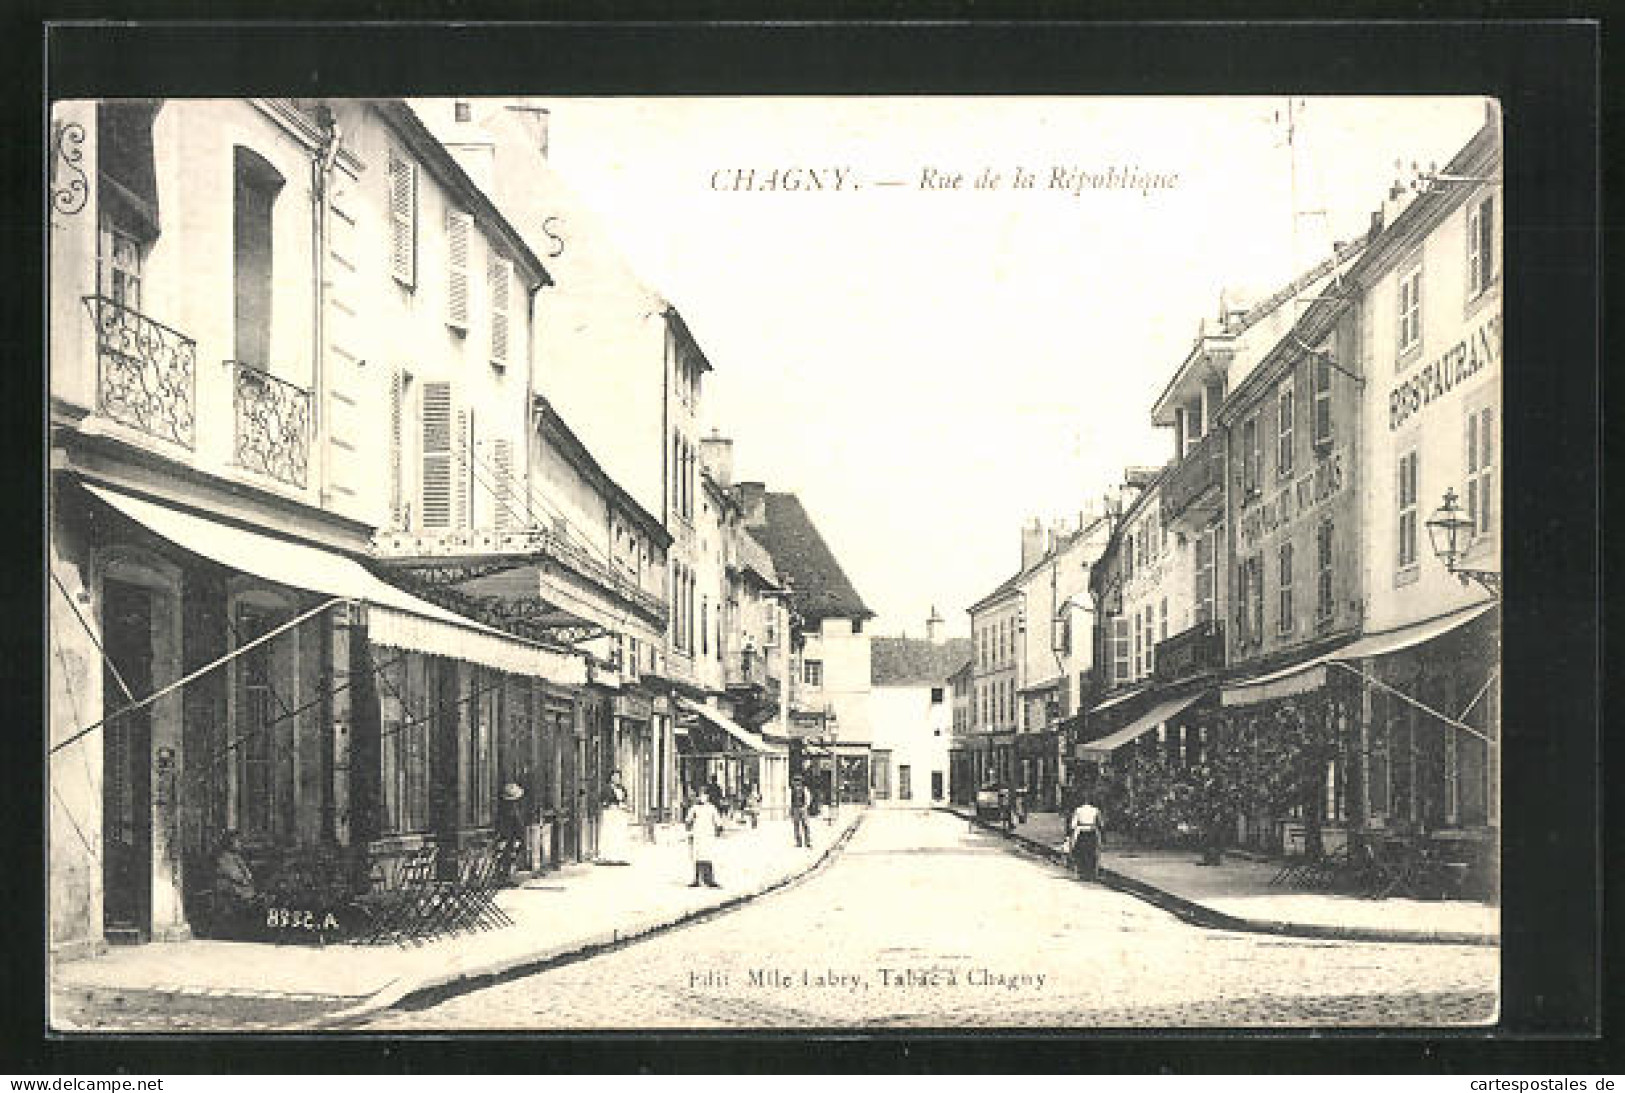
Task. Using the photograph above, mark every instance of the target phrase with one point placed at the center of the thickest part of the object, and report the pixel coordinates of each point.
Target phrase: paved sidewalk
(556, 916)
(1237, 894)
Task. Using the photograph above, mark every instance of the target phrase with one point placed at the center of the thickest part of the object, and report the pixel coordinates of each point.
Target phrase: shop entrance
(127, 765)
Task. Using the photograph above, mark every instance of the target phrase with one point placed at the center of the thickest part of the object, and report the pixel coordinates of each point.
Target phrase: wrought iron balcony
(146, 372)
(502, 548)
(1196, 485)
(273, 425)
(1190, 652)
(750, 671)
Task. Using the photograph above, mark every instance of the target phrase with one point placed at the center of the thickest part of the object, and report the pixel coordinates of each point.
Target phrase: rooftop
(819, 588)
(915, 662)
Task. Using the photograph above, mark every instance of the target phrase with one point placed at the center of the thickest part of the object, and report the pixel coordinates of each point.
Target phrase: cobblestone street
(923, 922)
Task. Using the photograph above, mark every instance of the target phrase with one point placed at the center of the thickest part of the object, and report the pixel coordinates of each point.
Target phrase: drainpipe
(321, 171)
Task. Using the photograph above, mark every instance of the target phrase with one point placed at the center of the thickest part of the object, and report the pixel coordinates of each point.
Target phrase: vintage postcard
(781, 563)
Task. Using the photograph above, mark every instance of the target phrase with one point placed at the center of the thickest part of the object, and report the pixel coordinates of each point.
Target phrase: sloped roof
(819, 588)
(903, 662)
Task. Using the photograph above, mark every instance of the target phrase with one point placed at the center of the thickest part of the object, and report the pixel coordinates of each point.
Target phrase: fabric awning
(1310, 674)
(743, 735)
(394, 618)
(1133, 692)
(1162, 711)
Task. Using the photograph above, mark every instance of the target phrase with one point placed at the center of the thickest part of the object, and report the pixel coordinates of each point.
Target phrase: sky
(928, 367)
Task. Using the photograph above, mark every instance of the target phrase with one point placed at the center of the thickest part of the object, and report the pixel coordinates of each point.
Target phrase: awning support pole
(203, 671)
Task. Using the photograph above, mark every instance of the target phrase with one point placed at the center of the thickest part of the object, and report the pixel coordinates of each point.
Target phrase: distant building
(912, 707)
(830, 717)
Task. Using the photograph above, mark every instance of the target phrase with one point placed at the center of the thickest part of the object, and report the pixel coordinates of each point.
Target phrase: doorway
(126, 764)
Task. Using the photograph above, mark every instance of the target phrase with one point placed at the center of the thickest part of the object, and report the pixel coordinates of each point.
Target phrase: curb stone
(432, 989)
(1206, 917)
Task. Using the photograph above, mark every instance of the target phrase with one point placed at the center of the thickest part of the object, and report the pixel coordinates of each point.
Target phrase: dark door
(936, 785)
(127, 765)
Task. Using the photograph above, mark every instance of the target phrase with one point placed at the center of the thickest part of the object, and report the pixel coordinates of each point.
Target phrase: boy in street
(800, 802)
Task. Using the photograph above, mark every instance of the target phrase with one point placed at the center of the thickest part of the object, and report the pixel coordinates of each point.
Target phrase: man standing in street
(800, 801)
(1084, 831)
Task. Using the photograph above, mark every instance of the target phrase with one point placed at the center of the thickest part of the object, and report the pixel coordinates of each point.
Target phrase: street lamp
(1451, 532)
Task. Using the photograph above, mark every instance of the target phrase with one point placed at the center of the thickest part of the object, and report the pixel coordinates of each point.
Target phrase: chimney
(717, 453)
(535, 120)
(1032, 542)
(933, 627)
(752, 499)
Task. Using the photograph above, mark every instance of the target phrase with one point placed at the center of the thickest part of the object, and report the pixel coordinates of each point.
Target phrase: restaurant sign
(1294, 500)
(1479, 349)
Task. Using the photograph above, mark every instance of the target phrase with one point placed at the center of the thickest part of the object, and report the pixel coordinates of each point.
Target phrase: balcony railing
(146, 372)
(527, 542)
(273, 425)
(1199, 649)
(749, 671)
(1198, 480)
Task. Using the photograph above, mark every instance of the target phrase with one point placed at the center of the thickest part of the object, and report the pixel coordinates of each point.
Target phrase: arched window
(255, 186)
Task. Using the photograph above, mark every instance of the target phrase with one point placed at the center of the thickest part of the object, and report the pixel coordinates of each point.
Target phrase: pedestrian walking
(1085, 829)
(704, 824)
(753, 804)
(800, 802)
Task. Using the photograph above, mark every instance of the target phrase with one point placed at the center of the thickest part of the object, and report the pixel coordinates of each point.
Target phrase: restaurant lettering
(1457, 364)
(1293, 500)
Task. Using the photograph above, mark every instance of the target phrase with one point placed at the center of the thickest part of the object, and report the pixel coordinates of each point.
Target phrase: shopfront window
(404, 703)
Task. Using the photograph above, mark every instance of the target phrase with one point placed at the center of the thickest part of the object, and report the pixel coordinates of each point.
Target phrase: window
(771, 628)
(460, 110)
(1285, 621)
(459, 226)
(936, 696)
(1250, 611)
(1205, 543)
(255, 187)
(1139, 644)
(705, 625)
(1285, 407)
(481, 690)
(1150, 639)
(403, 220)
(266, 738)
(1128, 557)
(905, 783)
(1410, 309)
(1481, 267)
(1323, 570)
(1407, 509)
(1320, 380)
(1120, 649)
(1252, 457)
(812, 673)
(404, 744)
(119, 261)
(1162, 620)
(1480, 469)
(499, 273)
(505, 502)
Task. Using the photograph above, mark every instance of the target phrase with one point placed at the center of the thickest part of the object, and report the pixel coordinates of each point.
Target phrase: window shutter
(397, 498)
(1475, 275)
(462, 465)
(1486, 242)
(437, 473)
(498, 271)
(502, 468)
(403, 199)
(458, 228)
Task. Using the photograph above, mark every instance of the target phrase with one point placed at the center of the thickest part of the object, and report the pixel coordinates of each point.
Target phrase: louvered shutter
(498, 272)
(397, 498)
(463, 467)
(502, 466)
(403, 199)
(458, 228)
(437, 463)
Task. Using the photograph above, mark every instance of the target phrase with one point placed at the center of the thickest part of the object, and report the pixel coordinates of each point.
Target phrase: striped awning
(394, 618)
